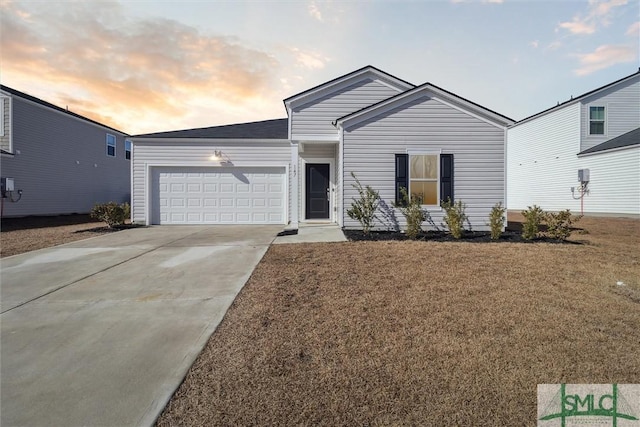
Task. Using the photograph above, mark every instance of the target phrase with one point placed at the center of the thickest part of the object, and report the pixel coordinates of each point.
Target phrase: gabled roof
(625, 140)
(267, 129)
(442, 94)
(55, 107)
(369, 70)
(578, 98)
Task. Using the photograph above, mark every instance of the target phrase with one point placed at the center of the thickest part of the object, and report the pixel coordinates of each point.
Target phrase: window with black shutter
(425, 174)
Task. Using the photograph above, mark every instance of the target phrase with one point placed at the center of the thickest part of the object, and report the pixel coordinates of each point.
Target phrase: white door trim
(332, 188)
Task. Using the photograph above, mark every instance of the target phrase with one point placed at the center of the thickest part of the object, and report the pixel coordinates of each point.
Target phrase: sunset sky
(146, 66)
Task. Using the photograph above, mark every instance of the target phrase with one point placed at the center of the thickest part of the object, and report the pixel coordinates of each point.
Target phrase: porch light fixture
(219, 156)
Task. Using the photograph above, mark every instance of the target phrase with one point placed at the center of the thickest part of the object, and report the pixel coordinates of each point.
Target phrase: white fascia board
(409, 96)
(346, 81)
(207, 141)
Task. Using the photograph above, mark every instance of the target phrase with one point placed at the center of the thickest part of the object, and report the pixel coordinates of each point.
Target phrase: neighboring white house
(388, 132)
(60, 162)
(598, 133)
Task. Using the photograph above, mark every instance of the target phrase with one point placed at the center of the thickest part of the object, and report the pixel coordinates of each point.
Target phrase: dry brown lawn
(21, 235)
(419, 333)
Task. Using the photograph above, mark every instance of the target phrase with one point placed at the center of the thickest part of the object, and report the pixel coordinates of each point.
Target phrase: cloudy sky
(145, 66)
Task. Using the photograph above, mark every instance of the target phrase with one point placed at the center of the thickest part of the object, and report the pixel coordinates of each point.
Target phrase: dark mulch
(509, 236)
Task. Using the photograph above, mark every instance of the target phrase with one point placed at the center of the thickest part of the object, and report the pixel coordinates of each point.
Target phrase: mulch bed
(509, 236)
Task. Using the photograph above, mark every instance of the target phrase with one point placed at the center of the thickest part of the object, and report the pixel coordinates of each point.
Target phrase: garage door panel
(218, 195)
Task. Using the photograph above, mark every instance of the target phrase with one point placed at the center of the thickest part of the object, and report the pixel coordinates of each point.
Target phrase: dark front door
(317, 189)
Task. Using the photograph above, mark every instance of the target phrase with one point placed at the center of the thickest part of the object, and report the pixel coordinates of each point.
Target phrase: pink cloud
(131, 74)
(604, 57)
(598, 15)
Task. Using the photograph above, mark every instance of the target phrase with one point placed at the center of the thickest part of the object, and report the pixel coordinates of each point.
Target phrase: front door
(317, 189)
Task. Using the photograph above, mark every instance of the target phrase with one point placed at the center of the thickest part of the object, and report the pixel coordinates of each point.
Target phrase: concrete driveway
(102, 331)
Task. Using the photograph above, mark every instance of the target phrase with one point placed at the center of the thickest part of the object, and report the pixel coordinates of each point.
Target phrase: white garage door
(220, 195)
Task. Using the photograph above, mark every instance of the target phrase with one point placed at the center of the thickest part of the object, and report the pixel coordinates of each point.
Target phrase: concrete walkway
(102, 331)
(314, 233)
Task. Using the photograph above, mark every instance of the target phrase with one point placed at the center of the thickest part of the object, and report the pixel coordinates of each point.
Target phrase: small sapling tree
(533, 217)
(496, 220)
(411, 208)
(454, 217)
(363, 209)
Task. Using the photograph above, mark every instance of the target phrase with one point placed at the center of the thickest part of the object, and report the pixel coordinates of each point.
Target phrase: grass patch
(422, 333)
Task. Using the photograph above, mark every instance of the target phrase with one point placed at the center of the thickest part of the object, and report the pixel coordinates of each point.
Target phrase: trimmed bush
(533, 217)
(454, 217)
(411, 208)
(559, 225)
(496, 220)
(111, 213)
(363, 209)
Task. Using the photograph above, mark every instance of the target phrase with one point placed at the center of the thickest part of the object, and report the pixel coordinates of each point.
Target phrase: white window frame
(127, 142)
(603, 121)
(438, 173)
(111, 144)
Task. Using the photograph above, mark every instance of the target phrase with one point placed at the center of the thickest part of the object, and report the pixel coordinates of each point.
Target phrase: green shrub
(411, 208)
(363, 209)
(559, 224)
(496, 220)
(454, 217)
(111, 213)
(533, 217)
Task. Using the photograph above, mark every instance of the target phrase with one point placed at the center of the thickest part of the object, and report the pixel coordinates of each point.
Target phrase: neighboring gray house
(596, 133)
(61, 161)
(385, 130)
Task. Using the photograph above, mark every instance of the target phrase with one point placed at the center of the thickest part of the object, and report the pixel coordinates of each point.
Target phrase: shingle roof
(55, 107)
(267, 129)
(625, 140)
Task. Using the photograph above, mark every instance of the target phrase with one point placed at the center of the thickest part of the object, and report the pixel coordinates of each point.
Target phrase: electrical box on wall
(7, 184)
(583, 175)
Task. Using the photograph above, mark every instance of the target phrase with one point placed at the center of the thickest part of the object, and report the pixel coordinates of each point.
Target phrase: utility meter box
(7, 184)
(583, 175)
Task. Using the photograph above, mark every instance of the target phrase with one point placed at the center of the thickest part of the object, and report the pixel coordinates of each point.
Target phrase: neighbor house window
(127, 149)
(429, 175)
(596, 120)
(111, 145)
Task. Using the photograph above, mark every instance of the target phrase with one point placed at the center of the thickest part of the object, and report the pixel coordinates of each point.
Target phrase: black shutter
(446, 177)
(402, 175)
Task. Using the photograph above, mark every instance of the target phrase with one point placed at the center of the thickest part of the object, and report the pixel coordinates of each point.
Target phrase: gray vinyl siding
(197, 154)
(5, 134)
(60, 163)
(622, 112)
(316, 117)
(426, 124)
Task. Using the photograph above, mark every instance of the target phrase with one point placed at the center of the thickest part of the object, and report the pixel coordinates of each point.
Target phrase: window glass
(127, 149)
(596, 120)
(424, 177)
(427, 189)
(111, 145)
